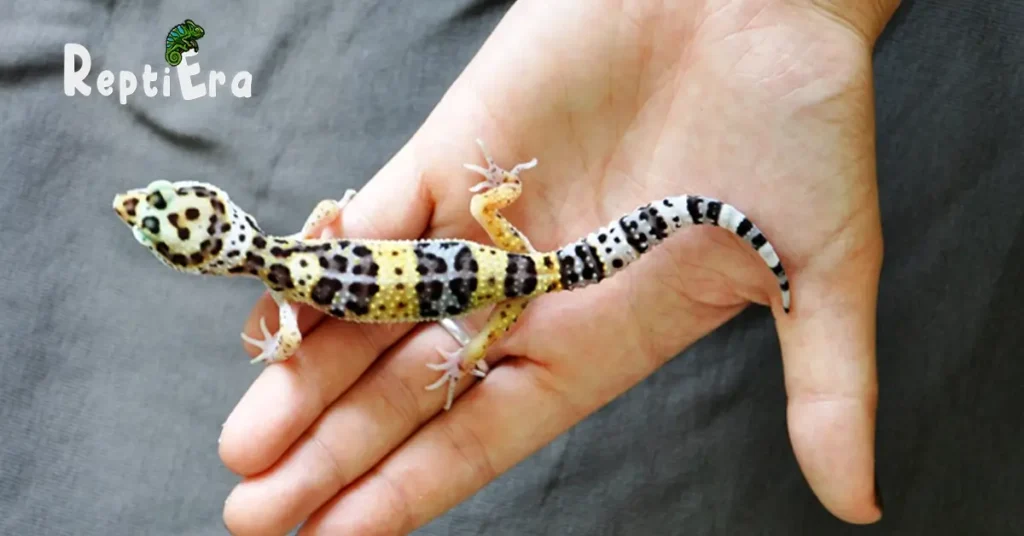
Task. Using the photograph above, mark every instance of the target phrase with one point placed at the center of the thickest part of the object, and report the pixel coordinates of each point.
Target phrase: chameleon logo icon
(182, 38)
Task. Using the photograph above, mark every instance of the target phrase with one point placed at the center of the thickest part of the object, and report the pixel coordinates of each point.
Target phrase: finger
(387, 404)
(489, 429)
(287, 398)
(828, 346)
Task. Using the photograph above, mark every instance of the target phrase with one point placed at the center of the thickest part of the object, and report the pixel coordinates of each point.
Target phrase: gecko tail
(611, 248)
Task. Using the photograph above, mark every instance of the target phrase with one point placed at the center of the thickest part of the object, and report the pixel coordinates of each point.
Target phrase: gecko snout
(125, 206)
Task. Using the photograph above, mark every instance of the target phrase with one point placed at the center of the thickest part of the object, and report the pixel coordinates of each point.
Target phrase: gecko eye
(151, 224)
(156, 200)
(161, 192)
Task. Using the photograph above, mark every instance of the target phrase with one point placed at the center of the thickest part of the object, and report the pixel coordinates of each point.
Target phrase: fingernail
(878, 494)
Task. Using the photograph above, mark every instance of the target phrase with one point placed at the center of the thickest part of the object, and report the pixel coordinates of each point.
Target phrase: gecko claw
(346, 199)
(268, 346)
(452, 368)
(495, 175)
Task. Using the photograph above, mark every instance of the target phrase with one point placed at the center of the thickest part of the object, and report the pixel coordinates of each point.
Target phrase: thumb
(828, 347)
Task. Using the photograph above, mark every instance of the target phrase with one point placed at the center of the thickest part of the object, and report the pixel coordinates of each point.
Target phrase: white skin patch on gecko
(194, 227)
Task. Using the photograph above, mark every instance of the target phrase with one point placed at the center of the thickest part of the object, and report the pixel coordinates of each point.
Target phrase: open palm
(765, 105)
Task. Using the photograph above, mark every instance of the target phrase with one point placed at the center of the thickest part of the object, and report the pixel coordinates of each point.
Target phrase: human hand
(764, 104)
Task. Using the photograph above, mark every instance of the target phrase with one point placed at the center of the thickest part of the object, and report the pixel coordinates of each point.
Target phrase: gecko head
(190, 226)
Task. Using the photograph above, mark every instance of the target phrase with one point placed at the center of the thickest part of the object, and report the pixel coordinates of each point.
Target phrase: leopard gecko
(194, 227)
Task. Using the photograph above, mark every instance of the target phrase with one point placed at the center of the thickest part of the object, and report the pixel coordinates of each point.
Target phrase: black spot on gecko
(192, 213)
(598, 266)
(658, 224)
(744, 227)
(713, 211)
(361, 294)
(567, 270)
(253, 262)
(130, 206)
(520, 276)
(464, 261)
(252, 223)
(462, 289)
(693, 207)
(183, 233)
(631, 239)
(259, 242)
(758, 241)
(435, 289)
(427, 305)
(280, 275)
(324, 290)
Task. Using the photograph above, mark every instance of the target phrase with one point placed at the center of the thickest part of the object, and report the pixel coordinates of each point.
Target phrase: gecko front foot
(493, 174)
(453, 372)
(271, 349)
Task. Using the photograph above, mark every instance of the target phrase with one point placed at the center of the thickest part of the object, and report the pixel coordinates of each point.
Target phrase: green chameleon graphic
(180, 39)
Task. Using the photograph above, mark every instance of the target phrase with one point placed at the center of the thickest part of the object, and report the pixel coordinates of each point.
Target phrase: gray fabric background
(113, 385)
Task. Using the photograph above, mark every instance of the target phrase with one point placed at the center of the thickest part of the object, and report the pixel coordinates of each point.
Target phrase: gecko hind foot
(269, 346)
(453, 372)
(495, 175)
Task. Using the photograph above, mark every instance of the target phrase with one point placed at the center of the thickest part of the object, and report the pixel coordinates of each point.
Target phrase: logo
(182, 43)
(181, 39)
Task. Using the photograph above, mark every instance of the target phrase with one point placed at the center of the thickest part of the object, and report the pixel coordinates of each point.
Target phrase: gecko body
(194, 227)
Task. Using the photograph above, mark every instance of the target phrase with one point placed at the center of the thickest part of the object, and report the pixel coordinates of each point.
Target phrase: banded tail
(611, 248)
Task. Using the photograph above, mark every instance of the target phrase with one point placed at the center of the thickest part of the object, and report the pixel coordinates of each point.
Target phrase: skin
(765, 103)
